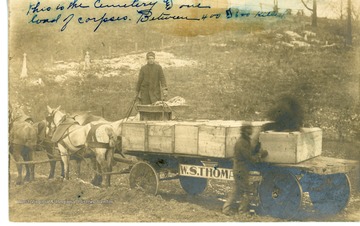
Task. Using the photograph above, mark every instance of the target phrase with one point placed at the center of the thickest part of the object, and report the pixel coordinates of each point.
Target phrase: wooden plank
(146, 136)
(216, 138)
(291, 147)
(118, 158)
(133, 136)
(212, 141)
(310, 144)
(161, 138)
(281, 149)
(325, 165)
(186, 139)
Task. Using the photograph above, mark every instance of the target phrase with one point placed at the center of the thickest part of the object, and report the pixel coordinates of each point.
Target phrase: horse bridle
(50, 120)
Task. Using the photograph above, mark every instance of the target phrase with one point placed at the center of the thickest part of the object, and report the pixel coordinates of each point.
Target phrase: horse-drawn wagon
(196, 151)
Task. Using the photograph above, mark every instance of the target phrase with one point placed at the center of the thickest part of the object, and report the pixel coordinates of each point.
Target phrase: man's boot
(227, 209)
(244, 204)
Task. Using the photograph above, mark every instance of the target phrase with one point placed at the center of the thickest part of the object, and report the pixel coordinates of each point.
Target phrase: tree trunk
(348, 25)
(314, 15)
(314, 12)
(341, 10)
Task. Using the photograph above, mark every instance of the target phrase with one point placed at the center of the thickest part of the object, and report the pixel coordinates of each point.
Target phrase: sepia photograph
(183, 111)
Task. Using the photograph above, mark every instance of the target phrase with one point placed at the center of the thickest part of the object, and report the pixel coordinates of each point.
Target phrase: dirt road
(77, 200)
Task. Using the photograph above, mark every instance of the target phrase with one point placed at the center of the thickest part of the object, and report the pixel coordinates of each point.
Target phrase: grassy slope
(238, 81)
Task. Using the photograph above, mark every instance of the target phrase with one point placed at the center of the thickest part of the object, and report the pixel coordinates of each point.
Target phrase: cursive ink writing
(103, 19)
(75, 5)
(67, 20)
(60, 7)
(36, 9)
(144, 9)
(216, 15)
(270, 13)
(35, 20)
(196, 6)
(135, 4)
(168, 4)
(146, 15)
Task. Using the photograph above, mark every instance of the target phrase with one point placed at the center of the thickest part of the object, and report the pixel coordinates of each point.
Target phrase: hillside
(237, 73)
(232, 70)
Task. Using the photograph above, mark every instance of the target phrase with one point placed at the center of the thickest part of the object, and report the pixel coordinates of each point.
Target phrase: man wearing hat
(151, 81)
(244, 156)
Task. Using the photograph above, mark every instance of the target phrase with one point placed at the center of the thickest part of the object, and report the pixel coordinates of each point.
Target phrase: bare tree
(349, 25)
(314, 12)
(341, 10)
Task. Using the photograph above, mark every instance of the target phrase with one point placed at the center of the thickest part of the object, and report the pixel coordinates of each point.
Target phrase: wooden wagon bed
(325, 165)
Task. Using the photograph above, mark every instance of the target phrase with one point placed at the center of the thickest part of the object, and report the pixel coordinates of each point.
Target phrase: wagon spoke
(144, 176)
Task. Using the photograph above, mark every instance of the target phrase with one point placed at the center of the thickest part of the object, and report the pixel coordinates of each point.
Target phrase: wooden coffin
(150, 136)
(291, 147)
(199, 138)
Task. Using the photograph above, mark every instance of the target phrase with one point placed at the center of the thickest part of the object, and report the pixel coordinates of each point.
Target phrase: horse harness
(62, 131)
(91, 140)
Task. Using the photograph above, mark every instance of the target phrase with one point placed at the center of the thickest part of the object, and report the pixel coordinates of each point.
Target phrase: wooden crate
(133, 136)
(198, 138)
(150, 136)
(211, 138)
(291, 147)
(187, 138)
(220, 140)
(161, 137)
(212, 141)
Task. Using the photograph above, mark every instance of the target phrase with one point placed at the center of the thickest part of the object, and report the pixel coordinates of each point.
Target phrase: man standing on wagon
(151, 81)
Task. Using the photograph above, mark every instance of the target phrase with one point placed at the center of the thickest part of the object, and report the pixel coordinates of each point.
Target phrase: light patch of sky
(326, 8)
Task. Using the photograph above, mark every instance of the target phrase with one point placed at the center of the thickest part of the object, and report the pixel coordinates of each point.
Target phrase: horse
(44, 143)
(45, 135)
(22, 142)
(116, 125)
(72, 138)
(84, 118)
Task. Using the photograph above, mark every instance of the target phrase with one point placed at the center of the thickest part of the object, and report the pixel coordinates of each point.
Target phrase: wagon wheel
(329, 193)
(193, 185)
(280, 194)
(144, 176)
